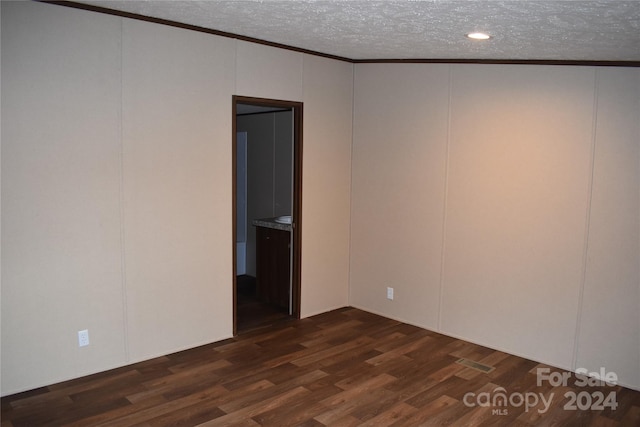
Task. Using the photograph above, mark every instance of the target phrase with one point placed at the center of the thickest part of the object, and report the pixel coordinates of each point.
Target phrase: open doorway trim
(296, 213)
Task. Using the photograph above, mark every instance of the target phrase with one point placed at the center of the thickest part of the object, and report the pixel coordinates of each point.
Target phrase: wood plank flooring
(251, 312)
(342, 368)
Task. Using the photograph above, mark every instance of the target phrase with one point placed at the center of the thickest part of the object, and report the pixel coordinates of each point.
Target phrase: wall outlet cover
(83, 338)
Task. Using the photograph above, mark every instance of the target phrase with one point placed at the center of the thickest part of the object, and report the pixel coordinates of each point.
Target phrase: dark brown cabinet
(272, 266)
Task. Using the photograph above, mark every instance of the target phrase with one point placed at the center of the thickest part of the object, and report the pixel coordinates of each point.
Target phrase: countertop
(271, 223)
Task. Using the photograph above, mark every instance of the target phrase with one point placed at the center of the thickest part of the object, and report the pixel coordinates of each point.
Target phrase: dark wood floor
(342, 368)
(251, 312)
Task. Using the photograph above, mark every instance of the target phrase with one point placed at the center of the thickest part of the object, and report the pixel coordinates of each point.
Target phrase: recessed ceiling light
(479, 36)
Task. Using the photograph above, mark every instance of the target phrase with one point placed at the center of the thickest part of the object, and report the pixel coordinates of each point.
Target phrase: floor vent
(475, 365)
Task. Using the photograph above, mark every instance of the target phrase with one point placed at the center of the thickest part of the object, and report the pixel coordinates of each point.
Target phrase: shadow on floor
(251, 312)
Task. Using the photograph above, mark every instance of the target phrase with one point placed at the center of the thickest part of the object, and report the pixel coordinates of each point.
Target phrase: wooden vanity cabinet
(272, 266)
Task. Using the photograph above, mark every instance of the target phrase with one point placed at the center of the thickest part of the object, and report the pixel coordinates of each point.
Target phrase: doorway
(267, 208)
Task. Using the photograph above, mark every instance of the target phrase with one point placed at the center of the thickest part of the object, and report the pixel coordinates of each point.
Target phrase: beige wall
(609, 333)
(326, 183)
(399, 163)
(61, 222)
(116, 186)
(473, 198)
(176, 130)
(520, 153)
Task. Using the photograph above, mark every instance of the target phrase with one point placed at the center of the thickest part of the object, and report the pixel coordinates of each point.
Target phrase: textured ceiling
(565, 30)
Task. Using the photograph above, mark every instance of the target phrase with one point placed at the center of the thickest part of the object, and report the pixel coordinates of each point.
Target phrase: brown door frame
(296, 223)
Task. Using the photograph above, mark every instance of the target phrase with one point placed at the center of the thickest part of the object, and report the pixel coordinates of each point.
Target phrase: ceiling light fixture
(479, 36)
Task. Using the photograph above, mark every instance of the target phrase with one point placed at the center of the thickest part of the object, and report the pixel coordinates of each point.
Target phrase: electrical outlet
(390, 293)
(83, 338)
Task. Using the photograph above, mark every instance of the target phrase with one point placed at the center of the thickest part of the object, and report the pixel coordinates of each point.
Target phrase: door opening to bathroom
(267, 208)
